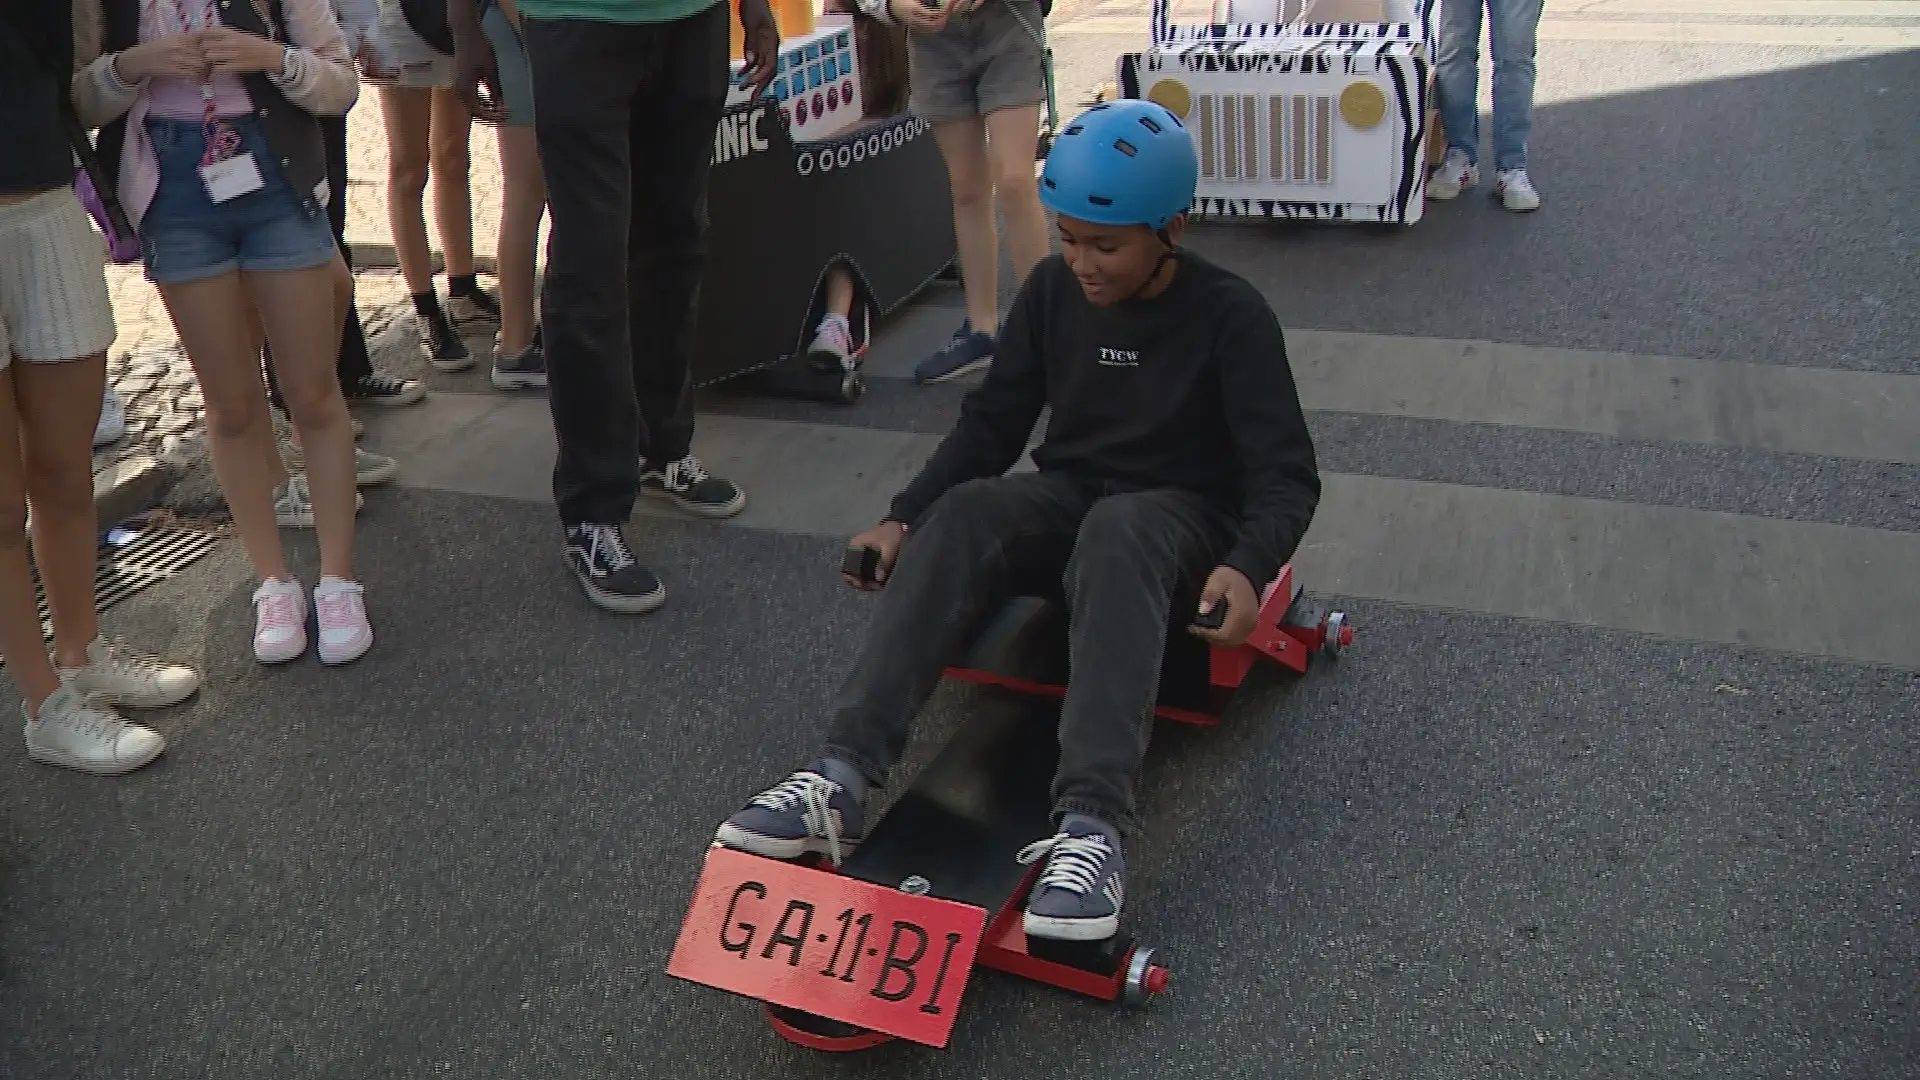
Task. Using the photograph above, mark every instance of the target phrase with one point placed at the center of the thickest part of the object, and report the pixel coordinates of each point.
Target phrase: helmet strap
(1166, 256)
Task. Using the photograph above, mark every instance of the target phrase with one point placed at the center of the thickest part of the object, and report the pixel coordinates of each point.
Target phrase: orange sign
(848, 950)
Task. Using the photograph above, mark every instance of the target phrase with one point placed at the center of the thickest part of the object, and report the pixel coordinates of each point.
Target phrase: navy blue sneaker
(805, 812)
(1080, 890)
(966, 352)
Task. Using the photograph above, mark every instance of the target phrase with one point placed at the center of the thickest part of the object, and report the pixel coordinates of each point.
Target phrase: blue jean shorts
(186, 236)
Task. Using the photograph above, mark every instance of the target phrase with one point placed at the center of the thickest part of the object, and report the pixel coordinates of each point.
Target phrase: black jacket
(47, 27)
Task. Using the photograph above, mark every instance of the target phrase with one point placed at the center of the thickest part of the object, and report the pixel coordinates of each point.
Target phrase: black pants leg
(354, 363)
(1136, 575)
(625, 127)
(1131, 563)
(964, 560)
(667, 239)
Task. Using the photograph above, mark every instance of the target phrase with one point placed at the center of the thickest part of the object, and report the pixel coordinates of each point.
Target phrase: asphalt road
(1505, 836)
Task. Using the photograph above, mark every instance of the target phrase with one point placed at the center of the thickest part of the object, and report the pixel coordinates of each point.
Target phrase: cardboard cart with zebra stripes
(1296, 116)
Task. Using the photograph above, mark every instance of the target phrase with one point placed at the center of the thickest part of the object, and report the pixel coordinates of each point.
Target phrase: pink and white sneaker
(344, 633)
(279, 621)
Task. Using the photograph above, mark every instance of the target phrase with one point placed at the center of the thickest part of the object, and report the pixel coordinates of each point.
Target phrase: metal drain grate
(135, 557)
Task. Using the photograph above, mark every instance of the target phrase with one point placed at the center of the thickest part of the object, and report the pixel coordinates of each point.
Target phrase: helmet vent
(1099, 200)
(1126, 148)
(1147, 122)
(1075, 129)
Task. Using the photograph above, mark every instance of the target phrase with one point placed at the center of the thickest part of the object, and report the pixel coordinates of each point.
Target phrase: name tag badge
(232, 178)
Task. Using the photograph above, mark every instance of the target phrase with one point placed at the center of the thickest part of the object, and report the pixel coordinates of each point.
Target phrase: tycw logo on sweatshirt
(1119, 357)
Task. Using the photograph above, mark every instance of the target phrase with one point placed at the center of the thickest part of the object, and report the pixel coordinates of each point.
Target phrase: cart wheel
(1338, 634)
(852, 385)
(1146, 980)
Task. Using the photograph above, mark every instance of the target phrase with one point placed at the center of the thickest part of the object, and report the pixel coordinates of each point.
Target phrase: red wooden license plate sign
(849, 950)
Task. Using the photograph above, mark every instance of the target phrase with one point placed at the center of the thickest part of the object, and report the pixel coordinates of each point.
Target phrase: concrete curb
(133, 485)
(377, 255)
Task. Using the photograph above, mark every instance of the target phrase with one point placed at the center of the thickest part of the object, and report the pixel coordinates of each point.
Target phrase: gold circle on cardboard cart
(1173, 96)
(1363, 105)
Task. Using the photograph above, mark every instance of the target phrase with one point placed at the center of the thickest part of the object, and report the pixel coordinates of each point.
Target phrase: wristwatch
(286, 62)
(876, 9)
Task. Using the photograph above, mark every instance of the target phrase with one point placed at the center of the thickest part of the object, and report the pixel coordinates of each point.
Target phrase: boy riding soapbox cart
(883, 948)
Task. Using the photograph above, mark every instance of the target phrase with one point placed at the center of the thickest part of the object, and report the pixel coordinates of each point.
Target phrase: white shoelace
(279, 608)
(94, 719)
(836, 332)
(340, 605)
(814, 793)
(685, 473)
(121, 660)
(299, 498)
(1076, 863)
(606, 549)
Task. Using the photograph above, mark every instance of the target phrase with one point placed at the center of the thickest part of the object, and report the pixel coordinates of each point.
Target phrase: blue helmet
(1122, 163)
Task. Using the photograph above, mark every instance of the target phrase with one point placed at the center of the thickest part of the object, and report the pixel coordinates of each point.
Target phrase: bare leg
(408, 112)
(524, 201)
(58, 405)
(963, 143)
(213, 321)
(303, 322)
(20, 641)
(839, 291)
(1012, 137)
(447, 136)
(343, 303)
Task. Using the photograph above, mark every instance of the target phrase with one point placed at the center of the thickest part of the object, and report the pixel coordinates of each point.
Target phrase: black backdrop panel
(875, 196)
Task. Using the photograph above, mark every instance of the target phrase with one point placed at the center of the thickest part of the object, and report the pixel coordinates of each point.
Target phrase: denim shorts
(186, 236)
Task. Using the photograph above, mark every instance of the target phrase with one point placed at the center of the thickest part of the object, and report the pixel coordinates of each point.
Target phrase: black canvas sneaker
(692, 488)
(612, 577)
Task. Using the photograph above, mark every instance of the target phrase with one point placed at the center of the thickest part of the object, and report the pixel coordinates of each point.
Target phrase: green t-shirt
(615, 11)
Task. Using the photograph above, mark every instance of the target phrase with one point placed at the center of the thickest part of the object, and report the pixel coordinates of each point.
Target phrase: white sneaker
(279, 621)
(293, 503)
(832, 345)
(1516, 191)
(344, 632)
(113, 419)
(84, 733)
(1455, 175)
(369, 468)
(133, 680)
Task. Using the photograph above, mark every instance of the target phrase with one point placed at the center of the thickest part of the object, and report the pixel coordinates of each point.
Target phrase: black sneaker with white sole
(446, 349)
(1080, 890)
(384, 390)
(598, 555)
(692, 488)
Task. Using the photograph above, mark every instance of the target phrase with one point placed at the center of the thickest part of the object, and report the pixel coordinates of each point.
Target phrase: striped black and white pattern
(1399, 57)
(1165, 32)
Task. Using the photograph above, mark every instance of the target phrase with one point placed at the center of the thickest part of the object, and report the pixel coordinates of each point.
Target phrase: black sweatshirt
(1190, 389)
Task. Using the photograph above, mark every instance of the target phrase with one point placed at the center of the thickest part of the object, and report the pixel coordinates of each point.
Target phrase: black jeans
(625, 125)
(354, 363)
(1130, 563)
